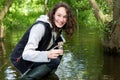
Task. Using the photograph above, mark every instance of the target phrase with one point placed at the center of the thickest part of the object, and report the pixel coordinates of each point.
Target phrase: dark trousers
(23, 67)
(53, 64)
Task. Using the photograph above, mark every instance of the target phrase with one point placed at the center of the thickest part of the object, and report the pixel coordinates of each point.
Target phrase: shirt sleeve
(30, 53)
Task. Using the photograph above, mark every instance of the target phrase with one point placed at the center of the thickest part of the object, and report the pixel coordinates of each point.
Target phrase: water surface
(83, 58)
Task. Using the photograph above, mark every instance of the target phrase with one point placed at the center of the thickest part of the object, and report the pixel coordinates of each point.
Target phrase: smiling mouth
(60, 23)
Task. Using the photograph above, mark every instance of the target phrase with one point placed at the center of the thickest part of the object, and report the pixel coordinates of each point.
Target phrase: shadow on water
(83, 59)
(111, 67)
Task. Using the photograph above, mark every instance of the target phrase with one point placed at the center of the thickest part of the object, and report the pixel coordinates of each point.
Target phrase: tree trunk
(109, 2)
(114, 41)
(97, 12)
(45, 6)
(3, 12)
(2, 48)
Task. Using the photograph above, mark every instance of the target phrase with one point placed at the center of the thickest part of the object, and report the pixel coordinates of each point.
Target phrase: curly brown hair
(70, 26)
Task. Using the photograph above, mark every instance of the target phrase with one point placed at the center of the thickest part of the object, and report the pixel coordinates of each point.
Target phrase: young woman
(38, 52)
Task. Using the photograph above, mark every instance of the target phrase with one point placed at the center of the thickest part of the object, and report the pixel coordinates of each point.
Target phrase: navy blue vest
(43, 44)
(16, 56)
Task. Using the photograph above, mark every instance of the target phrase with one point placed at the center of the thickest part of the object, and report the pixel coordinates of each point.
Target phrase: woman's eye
(59, 15)
(65, 16)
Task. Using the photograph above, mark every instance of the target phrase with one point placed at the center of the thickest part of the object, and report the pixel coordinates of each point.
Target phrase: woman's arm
(30, 53)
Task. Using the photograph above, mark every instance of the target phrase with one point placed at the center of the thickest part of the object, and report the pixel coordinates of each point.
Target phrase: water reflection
(70, 69)
(10, 74)
(83, 60)
(111, 67)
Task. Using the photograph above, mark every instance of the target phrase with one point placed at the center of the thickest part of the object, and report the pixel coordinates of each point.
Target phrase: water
(83, 59)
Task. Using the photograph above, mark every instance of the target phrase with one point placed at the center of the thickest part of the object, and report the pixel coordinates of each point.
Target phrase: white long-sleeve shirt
(36, 33)
(29, 53)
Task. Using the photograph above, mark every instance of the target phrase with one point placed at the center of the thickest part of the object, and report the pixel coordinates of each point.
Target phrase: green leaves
(2, 3)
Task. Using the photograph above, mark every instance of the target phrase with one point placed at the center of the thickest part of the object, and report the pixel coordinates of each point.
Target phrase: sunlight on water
(10, 74)
(82, 60)
(69, 69)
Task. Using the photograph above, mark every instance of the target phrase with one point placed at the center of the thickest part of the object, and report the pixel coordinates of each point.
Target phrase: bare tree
(113, 40)
(45, 6)
(3, 12)
(97, 12)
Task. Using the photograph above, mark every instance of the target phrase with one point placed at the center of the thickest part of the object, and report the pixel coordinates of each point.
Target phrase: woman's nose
(61, 18)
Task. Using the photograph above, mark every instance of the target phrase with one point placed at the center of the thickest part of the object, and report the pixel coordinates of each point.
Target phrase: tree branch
(97, 12)
(5, 9)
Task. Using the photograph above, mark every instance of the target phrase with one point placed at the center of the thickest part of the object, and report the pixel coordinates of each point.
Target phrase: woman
(38, 52)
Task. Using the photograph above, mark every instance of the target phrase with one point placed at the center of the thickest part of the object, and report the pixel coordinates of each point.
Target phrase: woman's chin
(59, 26)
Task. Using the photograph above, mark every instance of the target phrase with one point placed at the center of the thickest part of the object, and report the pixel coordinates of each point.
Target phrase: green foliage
(2, 3)
(82, 5)
(105, 6)
(22, 14)
(86, 18)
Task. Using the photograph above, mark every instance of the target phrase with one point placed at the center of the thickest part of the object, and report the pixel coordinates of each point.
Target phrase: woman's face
(60, 17)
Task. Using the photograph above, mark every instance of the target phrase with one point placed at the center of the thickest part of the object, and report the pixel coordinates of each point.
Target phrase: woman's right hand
(54, 53)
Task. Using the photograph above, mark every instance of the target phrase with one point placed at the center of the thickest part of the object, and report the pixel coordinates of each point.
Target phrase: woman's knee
(54, 63)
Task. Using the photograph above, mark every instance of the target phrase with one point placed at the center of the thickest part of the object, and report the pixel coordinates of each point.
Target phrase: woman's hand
(54, 53)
